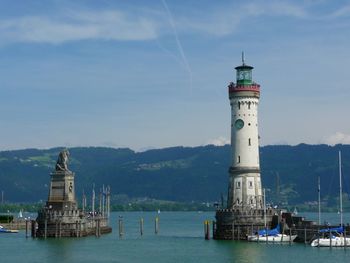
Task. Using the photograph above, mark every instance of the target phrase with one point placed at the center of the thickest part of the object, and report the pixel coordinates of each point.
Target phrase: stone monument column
(61, 193)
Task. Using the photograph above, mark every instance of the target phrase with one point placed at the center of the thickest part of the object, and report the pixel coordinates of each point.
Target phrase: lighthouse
(244, 173)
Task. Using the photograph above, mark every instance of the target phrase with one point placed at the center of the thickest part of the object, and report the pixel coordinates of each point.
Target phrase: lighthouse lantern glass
(244, 76)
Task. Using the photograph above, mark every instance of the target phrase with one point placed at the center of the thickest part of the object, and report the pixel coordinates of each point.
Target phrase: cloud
(121, 25)
(341, 12)
(105, 25)
(337, 138)
(223, 22)
(220, 141)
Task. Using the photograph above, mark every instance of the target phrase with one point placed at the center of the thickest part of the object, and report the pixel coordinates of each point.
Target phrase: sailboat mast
(319, 200)
(265, 209)
(340, 191)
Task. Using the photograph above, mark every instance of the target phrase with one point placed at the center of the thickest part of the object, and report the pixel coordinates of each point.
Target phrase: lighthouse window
(239, 105)
(238, 185)
(239, 159)
(249, 105)
(249, 142)
(250, 184)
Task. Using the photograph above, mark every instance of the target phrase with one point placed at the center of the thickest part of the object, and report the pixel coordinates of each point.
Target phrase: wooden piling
(156, 225)
(76, 229)
(345, 238)
(60, 229)
(238, 233)
(207, 229)
(96, 227)
(45, 228)
(290, 236)
(27, 228)
(233, 231)
(121, 228)
(141, 226)
(56, 229)
(305, 242)
(33, 228)
(330, 238)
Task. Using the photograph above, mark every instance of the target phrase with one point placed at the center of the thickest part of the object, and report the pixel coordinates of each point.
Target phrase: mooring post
(141, 226)
(96, 227)
(206, 229)
(290, 236)
(282, 232)
(60, 229)
(45, 228)
(27, 228)
(33, 228)
(120, 224)
(76, 229)
(56, 229)
(330, 238)
(305, 235)
(345, 237)
(233, 231)
(156, 225)
(238, 233)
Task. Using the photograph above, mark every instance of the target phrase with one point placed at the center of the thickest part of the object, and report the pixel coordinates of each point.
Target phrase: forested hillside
(179, 173)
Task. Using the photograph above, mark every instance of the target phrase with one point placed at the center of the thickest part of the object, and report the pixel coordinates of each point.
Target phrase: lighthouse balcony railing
(232, 87)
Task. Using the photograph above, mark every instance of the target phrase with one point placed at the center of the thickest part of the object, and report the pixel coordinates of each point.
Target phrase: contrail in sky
(179, 46)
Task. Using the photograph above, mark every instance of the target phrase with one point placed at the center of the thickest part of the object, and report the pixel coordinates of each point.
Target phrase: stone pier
(61, 216)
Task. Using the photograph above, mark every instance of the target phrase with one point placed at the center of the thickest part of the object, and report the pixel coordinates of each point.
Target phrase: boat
(272, 235)
(5, 230)
(333, 237)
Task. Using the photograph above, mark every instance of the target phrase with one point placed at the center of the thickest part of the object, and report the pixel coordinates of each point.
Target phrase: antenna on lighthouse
(243, 57)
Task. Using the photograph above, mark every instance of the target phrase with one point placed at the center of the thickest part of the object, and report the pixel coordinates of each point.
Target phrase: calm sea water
(180, 239)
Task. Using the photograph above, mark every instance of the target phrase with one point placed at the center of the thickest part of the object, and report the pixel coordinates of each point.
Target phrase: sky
(154, 74)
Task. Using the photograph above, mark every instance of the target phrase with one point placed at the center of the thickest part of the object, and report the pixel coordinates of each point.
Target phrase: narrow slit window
(239, 105)
(239, 159)
(249, 105)
(250, 184)
(238, 185)
(249, 142)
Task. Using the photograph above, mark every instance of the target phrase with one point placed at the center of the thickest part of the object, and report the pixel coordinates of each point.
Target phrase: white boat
(275, 238)
(5, 230)
(333, 237)
(272, 235)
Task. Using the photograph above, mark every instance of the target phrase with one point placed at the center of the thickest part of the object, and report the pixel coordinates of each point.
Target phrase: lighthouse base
(237, 224)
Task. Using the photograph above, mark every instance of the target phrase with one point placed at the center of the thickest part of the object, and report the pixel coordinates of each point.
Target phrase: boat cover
(270, 232)
(339, 229)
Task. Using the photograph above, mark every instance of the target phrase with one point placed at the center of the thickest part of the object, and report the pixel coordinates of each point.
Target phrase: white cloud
(341, 12)
(121, 25)
(106, 25)
(225, 21)
(337, 138)
(220, 141)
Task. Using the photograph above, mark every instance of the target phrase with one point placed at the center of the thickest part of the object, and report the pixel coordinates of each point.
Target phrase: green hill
(183, 174)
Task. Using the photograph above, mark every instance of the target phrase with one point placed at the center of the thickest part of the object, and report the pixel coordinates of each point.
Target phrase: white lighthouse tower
(244, 184)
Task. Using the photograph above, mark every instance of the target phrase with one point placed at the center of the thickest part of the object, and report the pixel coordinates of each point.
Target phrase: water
(180, 239)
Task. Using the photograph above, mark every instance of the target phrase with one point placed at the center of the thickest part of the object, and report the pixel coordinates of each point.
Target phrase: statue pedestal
(62, 195)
